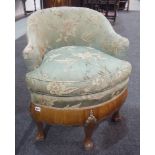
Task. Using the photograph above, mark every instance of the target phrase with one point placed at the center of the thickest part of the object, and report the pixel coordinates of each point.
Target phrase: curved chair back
(67, 26)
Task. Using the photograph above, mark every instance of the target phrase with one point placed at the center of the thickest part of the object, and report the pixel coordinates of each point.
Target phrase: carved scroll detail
(91, 118)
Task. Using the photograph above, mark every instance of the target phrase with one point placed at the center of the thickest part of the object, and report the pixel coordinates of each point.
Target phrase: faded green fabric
(77, 70)
(67, 26)
(78, 101)
(74, 57)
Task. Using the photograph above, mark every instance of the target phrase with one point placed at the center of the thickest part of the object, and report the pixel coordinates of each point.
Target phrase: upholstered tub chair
(76, 72)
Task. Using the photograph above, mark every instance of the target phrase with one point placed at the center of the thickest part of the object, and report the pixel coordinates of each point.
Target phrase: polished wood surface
(90, 125)
(88, 117)
(76, 116)
(55, 3)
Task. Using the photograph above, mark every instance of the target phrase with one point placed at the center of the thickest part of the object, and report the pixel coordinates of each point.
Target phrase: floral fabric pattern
(66, 26)
(78, 101)
(59, 88)
(72, 58)
(77, 70)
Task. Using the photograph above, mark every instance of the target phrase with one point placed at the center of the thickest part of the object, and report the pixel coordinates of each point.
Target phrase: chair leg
(35, 9)
(40, 133)
(89, 129)
(24, 7)
(116, 117)
(128, 5)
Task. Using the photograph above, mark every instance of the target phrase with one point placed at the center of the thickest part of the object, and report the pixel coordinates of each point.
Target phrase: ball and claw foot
(40, 136)
(88, 144)
(116, 117)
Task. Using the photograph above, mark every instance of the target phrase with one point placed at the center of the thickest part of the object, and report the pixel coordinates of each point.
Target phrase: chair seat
(77, 76)
(73, 71)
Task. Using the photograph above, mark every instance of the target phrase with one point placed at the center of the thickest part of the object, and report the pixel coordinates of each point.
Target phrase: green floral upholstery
(71, 58)
(77, 70)
(66, 26)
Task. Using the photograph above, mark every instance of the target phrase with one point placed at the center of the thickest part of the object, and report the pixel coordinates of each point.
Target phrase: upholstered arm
(109, 40)
(70, 26)
(32, 57)
(116, 45)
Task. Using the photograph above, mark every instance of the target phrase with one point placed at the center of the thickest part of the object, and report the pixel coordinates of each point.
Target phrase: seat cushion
(76, 71)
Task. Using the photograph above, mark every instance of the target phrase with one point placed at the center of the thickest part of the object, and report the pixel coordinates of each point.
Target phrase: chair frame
(89, 117)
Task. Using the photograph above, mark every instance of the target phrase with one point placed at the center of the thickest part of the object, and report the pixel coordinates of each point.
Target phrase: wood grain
(56, 3)
(76, 116)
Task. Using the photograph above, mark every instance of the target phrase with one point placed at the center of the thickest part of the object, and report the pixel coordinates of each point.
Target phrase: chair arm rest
(117, 45)
(32, 57)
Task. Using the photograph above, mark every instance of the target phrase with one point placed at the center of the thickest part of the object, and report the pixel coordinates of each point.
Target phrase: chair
(76, 75)
(124, 5)
(24, 7)
(107, 7)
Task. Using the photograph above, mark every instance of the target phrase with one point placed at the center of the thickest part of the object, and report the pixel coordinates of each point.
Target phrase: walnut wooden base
(86, 116)
(90, 125)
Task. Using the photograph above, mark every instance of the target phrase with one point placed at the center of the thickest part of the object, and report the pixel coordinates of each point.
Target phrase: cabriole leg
(89, 129)
(116, 117)
(40, 133)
